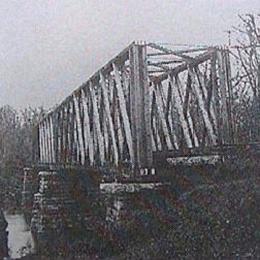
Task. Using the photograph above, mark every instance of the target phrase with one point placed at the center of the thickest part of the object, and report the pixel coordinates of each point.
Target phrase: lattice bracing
(149, 98)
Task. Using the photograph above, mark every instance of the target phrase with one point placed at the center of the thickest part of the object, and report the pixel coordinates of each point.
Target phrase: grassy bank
(216, 221)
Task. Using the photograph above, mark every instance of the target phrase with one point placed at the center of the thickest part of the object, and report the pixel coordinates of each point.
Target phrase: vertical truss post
(56, 134)
(225, 96)
(230, 97)
(214, 95)
(36, 151)
(140, 107)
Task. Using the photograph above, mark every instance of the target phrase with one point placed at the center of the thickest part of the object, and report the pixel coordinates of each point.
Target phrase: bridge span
(146, 103)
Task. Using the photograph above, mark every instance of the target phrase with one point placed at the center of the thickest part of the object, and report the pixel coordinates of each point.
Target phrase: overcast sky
(49, 47)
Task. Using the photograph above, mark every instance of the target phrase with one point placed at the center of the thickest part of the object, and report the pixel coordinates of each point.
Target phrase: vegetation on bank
(16, 144)
(210, 221)
(215, 222)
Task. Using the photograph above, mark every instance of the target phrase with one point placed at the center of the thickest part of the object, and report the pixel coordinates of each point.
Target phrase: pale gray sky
(49, 47)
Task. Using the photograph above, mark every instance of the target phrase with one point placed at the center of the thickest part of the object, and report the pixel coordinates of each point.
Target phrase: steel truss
(148, 99)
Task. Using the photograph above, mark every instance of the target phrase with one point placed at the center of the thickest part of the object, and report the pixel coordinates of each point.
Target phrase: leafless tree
(16, 129)
(246, 83)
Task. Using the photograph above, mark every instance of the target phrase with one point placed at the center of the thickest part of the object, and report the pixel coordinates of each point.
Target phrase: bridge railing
(147, 99)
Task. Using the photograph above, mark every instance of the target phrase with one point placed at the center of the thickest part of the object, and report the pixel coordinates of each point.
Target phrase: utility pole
(229, 37)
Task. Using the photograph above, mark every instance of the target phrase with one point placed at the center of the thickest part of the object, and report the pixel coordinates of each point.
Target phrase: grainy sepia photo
(129, 129)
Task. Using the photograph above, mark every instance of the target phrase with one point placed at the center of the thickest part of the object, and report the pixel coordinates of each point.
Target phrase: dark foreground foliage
(211, 221)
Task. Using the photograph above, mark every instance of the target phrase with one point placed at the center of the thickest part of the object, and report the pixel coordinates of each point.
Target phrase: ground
(218, 221)
(203, 214)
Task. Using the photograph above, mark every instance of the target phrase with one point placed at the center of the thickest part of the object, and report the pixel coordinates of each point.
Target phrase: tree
(9, 125)
(16, 130)
(246, 83)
